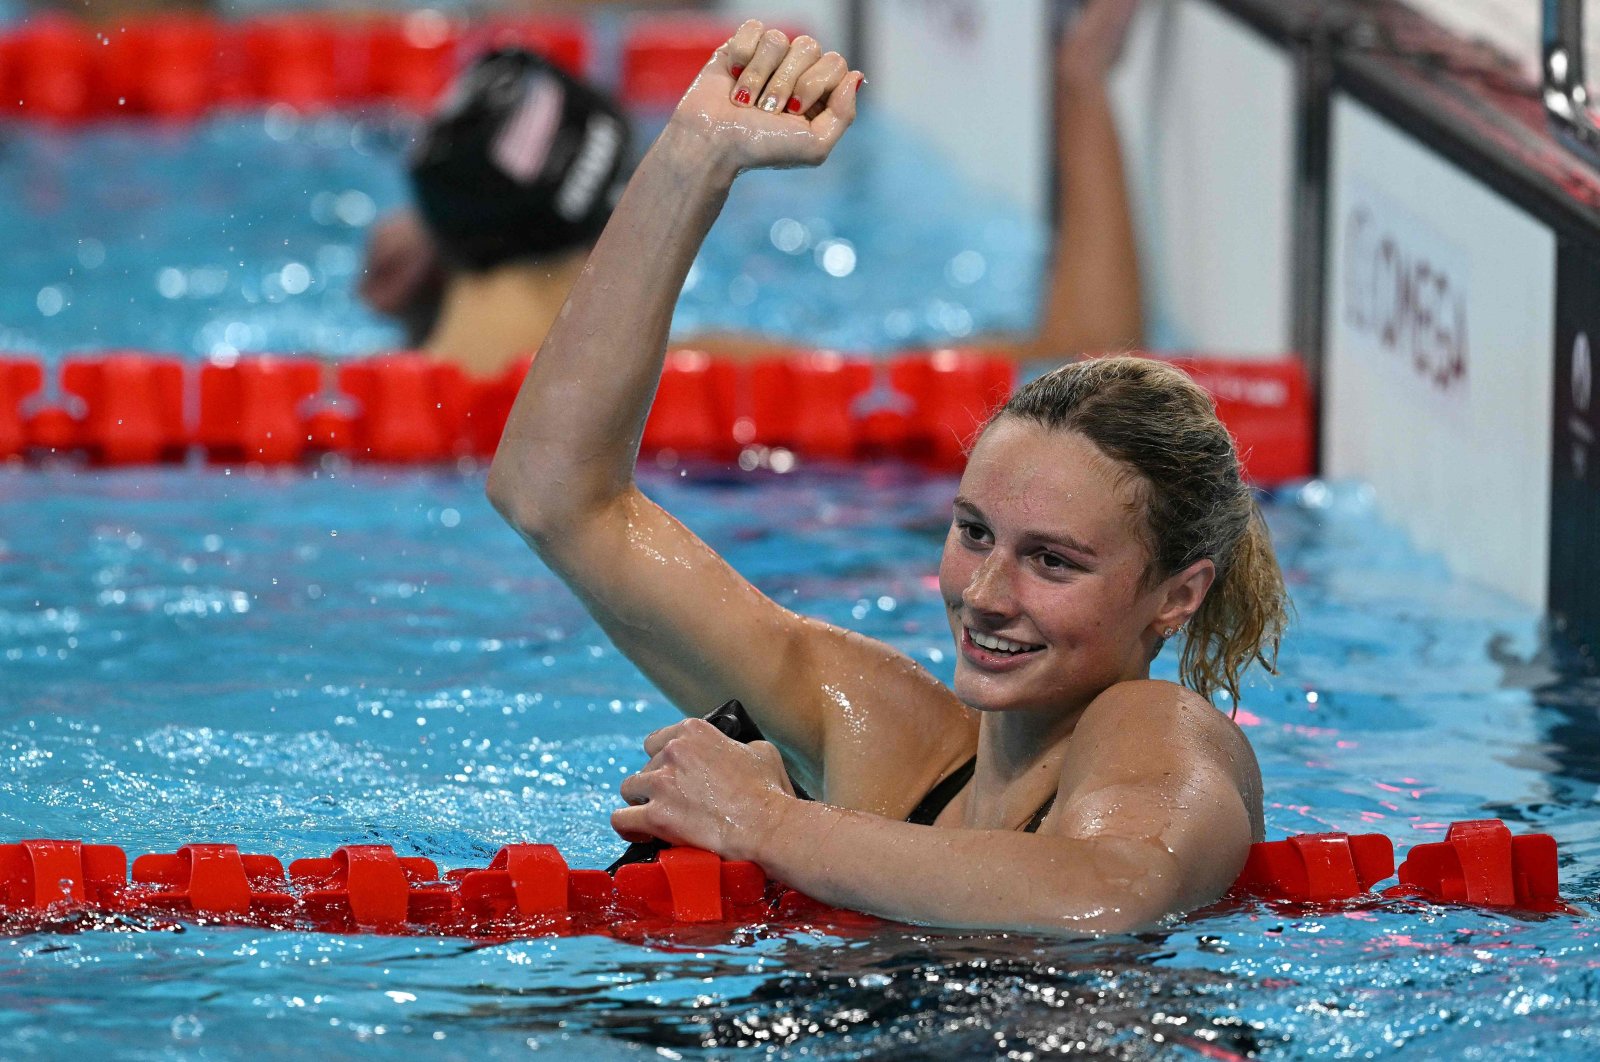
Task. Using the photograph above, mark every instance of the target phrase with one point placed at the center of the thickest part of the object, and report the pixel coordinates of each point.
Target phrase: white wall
(972, 77)
(1440, 327)
(1206, 110)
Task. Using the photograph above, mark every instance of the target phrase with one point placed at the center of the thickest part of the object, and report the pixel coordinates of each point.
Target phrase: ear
(1182, 594)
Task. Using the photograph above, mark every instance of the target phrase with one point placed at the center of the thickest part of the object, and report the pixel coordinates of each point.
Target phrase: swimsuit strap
(939, 796)
(1038, 816)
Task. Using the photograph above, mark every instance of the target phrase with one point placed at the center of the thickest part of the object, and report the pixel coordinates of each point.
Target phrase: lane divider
(179, 67)
(137, 409)
(182, 66)
(528, 889)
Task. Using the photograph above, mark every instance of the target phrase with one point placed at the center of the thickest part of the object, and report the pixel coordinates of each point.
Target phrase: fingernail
(742, 97)
(861, 82)
(794, 105)
(770, 104)
(738, 70)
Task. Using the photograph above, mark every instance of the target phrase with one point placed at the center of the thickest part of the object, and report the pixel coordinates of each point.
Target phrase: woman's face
(1043, 572)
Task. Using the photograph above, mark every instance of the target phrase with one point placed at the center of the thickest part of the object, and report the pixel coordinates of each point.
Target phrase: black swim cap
(520, 160)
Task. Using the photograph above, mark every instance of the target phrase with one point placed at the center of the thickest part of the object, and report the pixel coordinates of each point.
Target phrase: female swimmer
(1100, 512)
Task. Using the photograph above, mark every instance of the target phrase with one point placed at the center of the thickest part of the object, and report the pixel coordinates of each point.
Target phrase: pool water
(296, 660)
(244, 234)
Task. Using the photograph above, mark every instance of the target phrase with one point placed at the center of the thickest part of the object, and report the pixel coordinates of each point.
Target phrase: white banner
(1438, 373)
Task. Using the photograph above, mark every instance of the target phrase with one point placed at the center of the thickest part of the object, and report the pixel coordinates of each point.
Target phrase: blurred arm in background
(1093, 301)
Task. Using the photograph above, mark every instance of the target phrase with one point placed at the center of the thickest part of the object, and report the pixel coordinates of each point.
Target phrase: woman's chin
(981, 693)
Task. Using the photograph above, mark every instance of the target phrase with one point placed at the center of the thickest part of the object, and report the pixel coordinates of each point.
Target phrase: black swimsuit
(939, 798)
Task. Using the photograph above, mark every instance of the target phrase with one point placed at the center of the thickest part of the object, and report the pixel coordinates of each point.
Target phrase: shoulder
(1152, 706)
(1155, 765)
(1150, 727)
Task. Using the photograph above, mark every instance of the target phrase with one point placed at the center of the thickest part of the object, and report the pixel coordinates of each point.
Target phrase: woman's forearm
(573, 435)
(995, 879)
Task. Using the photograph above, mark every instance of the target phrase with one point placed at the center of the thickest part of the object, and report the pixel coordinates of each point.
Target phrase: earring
(1169, 632)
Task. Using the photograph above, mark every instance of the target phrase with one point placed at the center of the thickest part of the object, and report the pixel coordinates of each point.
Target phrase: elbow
(550, 513)
(517, 504)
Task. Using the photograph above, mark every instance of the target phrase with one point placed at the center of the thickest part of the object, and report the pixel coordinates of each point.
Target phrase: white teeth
(995, 644)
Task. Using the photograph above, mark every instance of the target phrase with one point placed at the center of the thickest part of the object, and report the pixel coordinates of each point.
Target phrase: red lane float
(1316, 867)
(694, 412)
(662, 56)
(18, 380)
(134, 408)
(38, 874)
(181, 66)
(51, 70)
(411, 60)
(1480, 862)
(252, 410)
(806, 403)
(201, 880)
(166, 66)
(408, 408)
(528, 889)
(563, 41)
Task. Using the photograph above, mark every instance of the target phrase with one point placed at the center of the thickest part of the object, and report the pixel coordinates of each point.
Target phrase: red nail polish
(738, 70)
(861, 82)
(742, 97)
(794, 105)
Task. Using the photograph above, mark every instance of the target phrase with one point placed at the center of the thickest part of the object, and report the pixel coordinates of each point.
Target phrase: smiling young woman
(1056, 787)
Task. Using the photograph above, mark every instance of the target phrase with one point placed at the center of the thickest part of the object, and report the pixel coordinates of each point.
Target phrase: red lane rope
(178, 67)
(136, 409)
(528, 889)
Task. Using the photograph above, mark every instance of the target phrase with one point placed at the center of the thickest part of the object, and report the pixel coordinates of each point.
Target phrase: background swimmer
(514, 177)
(478, 271)
(1100, 512)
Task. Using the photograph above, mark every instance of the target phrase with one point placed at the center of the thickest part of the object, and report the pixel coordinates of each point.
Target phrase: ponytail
(1241, 620)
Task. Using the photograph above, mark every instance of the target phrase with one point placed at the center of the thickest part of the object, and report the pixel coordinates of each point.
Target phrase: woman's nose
(989, 590)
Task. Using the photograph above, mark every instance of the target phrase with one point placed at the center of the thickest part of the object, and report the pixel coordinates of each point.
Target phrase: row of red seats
(410, 408)
(133, 409)
(181, 66)
(529, 888)
(526, 889)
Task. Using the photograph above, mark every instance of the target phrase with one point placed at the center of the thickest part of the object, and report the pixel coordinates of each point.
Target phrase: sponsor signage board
(1439, 323)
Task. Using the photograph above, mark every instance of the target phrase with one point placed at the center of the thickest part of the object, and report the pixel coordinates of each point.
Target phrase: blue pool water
(297, 660)
(244, 233)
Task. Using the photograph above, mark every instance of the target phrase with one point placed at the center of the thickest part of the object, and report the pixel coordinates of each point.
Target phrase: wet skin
(1047, 549)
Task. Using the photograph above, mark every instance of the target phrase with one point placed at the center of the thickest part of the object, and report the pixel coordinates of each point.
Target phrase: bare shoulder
(1149, 728)
(1152, 704)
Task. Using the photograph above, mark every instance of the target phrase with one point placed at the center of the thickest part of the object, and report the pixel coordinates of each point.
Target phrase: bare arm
(563, 475)
(1092, 303)
(1141, 828)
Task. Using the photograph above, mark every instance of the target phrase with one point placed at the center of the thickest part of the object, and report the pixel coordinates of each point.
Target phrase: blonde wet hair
(1163, 428)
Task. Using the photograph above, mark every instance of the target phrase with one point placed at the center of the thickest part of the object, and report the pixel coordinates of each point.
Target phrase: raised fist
(766, 101)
